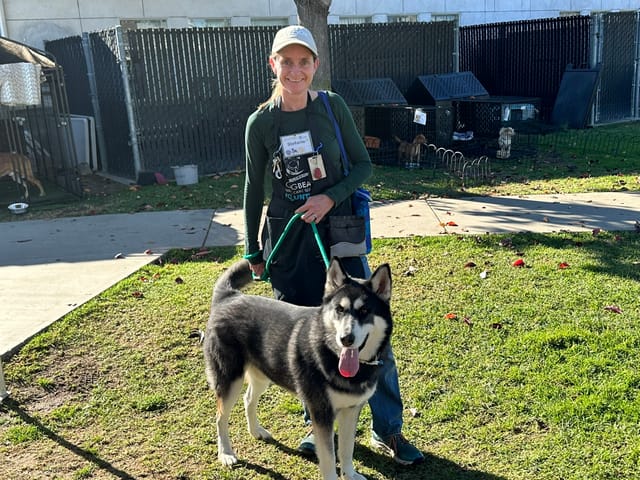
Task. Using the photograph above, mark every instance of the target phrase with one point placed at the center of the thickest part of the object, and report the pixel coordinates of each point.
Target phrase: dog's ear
(381, 282)
(336, 276)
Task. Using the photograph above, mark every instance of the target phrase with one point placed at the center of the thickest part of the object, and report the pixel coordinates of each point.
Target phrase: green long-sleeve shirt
(261, 141)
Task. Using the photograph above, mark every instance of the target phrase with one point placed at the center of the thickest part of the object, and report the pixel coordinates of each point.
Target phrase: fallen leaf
(179, 280)
(518, 263)
(148, 251)
(414, 412)
(496, 326)
(451, 316)
(563, 265)
(469, 265)
(452, 224)
(137, 294)
(613, 308)
(468, 321)
(595, 231)
(410, 272)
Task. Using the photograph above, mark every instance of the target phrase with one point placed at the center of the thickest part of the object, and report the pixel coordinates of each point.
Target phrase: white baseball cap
(294, 34)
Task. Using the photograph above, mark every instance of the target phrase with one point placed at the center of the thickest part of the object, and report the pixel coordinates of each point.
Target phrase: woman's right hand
(257, 269)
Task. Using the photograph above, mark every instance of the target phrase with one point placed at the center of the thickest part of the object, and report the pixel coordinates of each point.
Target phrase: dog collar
(373, 362)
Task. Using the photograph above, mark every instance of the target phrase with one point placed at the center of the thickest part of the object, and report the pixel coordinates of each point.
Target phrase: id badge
(316, 167)
(296, 144)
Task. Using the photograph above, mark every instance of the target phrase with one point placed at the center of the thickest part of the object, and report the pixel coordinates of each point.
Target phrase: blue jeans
(386, 402)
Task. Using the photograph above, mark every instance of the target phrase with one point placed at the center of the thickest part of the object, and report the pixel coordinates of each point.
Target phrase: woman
(292, 139)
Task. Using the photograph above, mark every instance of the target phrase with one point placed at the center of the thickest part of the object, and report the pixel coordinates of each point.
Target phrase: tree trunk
(313, 15)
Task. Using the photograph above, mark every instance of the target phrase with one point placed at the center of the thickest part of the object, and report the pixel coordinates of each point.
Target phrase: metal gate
(616, 47)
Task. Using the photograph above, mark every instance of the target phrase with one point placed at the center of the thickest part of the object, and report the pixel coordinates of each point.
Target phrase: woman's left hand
(315, 208)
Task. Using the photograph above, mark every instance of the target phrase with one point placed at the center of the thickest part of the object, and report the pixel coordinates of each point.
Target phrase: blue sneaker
(398, 448)
(307, 446)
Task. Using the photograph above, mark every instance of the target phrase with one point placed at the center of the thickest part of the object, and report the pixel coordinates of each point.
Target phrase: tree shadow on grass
(92, 458)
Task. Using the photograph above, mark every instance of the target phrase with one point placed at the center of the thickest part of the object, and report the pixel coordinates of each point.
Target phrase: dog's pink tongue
(349, 363)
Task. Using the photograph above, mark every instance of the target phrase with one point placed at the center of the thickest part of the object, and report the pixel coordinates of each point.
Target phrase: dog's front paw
(227, 459)
(260, 433)
(354, 476)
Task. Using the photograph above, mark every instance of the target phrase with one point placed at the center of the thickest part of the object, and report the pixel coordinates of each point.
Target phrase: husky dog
(327, 355)
(504, 142)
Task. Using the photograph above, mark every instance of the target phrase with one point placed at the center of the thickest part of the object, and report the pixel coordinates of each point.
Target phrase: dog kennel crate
(430, 89)
(369, 92)
(389, 122)
(485, 116)
(35, 121)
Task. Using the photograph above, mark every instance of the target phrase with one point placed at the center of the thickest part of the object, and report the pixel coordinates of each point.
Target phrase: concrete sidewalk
(49, 267)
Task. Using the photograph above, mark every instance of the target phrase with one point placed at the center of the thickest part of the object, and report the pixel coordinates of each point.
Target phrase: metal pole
(635, 107)
(3, 388)
(596, 58)
(133, 134)
(95, 103)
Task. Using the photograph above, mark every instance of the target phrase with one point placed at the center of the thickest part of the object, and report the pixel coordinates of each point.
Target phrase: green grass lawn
(527, 373)
(506, 372)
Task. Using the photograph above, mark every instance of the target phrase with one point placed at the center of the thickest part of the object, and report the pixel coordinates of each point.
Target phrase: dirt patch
(66, 378)
(100, 186)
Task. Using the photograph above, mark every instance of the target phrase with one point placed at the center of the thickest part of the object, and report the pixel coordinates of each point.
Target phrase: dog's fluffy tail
(230, 282)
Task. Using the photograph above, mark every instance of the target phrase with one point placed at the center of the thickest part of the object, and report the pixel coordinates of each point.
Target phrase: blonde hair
(276, 91)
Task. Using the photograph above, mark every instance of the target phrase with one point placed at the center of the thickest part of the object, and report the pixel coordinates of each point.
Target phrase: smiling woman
(291, 139)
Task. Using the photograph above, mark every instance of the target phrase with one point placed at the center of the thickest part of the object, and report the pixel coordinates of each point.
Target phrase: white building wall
(35, 21)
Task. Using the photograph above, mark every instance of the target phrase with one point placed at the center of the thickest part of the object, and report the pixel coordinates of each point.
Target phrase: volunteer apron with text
(298, 171)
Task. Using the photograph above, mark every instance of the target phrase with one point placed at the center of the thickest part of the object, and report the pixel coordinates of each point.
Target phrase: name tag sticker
(297, 144)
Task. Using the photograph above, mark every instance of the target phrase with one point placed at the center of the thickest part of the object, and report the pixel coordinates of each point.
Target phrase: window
(569, 14)
(208, 22)
(270, 22)
(354, 20)
(132, 24)
(402, 18)
(444, 17)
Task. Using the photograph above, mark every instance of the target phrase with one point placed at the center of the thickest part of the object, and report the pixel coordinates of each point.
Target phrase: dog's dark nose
(348, 340)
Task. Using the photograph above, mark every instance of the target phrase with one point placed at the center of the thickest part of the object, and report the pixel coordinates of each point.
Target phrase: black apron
(298, 271)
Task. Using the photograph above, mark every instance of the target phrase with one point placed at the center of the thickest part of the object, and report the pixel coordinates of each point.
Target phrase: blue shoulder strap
(343, 154)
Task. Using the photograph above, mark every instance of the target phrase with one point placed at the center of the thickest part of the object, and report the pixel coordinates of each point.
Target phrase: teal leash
(316, 234)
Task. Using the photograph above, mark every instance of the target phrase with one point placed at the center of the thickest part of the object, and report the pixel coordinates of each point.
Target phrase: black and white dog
(327, 355)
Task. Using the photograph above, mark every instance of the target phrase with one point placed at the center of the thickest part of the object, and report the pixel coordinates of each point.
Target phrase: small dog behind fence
(409, 152)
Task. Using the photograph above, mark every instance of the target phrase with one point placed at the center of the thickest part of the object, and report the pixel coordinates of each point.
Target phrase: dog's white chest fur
(341, 400)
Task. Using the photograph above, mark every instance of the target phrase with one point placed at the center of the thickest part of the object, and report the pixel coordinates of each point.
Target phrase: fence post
(3, 388)
(596, 58)
(133, 131)
(636, 71)
(95, 102)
